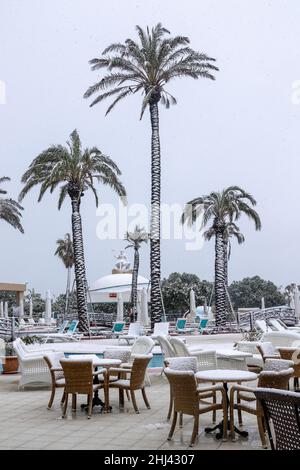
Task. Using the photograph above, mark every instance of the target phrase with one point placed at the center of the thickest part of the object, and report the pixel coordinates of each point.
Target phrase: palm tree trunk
(79, 263)
(68, 291)
(156, 303)
(220, 292)
(225, 263)
(135, 273)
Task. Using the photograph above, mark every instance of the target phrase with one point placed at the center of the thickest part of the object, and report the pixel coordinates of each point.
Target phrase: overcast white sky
(241, 129)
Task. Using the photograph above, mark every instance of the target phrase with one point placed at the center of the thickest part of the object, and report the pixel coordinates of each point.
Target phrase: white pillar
(5, 309)
(1, 309)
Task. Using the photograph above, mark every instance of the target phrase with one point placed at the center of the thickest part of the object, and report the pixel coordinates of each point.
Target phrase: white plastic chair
(160, 329)
(262, 325)
(280, 326)
(142, 346)
(166, 347)
(206, 360)
(134, 331)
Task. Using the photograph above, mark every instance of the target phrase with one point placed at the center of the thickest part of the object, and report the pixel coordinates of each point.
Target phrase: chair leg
(170, 406)
(173, 426)
(90, 406)
(132, 394)
(231, 406)
(195, 430)
(145, 399)
(74, 402)
(65, 406)
(63, 397)
(148, 379)
(240, 418)
(261, 430)
(214, 413)
(121, 397)
(51, 398)
(180, 420)
(127, 394)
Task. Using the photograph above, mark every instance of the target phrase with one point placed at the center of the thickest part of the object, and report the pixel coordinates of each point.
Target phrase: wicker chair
(268, 351)
(79, 377)
(278, 364)
(135, 382)
(282, 417)
(188, 398)
(246, 400)
(57, 375)
(184, 364)
(124, 356)
(292, 354)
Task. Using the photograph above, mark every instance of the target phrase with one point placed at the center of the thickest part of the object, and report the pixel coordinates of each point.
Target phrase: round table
(98, 362)
(225, 376)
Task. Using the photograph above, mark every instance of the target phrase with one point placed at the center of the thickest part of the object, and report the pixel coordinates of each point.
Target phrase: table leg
(96, 400)
(220, 425)
(107, 408)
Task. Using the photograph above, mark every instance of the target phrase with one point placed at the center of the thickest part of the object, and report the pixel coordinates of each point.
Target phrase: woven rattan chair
(188, 399)
(79, 377)
(57, 375)
(184, 364)
(292, 354)
(268, 351)
(282, 417)
(278, 364)
(179, 363)
(246, 401)
(135, 382)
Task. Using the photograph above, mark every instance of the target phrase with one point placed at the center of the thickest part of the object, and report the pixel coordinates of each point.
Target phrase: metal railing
(283, 312)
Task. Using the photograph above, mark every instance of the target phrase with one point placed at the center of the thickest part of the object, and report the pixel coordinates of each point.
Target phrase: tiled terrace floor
(25, 423)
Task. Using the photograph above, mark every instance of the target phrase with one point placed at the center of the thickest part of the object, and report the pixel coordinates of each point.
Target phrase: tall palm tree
(10, 210)
(65, 253)
(147, 66)
(223, 208)
(75, 170)
(135, 239)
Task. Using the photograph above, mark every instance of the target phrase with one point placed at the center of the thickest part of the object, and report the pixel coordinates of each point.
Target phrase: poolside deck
(27, 424)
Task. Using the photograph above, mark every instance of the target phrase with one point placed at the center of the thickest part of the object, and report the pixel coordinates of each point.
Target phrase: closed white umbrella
(21, 308)
(192, 303)
(120, 307)
(48, 308)
(30, 308)
(297, 302)
(263, 305)
(1, 310)
(5, 309)
(143, 316)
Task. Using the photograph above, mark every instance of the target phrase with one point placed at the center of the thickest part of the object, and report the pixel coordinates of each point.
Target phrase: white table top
(224, 375)
(97, 362)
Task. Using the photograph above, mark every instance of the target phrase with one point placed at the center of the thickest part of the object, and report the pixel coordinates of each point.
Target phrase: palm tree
(65, 252)
(223, 208)
(135, 239)
(147, 66)
(75, 170)
(231, 231)
(10, 210)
